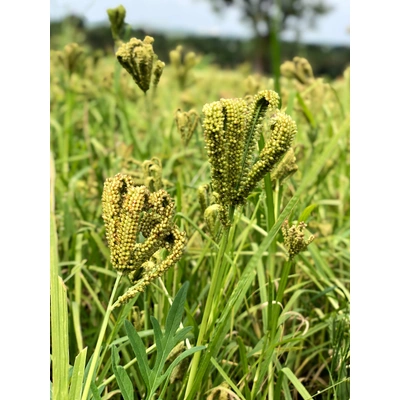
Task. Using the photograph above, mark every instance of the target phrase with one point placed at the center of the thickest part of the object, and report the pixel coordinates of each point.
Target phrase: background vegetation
(228, 53)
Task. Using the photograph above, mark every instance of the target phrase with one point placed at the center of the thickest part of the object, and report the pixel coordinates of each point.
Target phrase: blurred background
(229, 33)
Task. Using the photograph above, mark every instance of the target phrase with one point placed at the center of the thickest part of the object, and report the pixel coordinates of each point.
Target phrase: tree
(269, 18)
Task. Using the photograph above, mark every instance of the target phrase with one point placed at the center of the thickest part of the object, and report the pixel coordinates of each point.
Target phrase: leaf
(102, 247)
(124, 383)
(227, 379)
(307, 211)
(59, 320)
(175, 313)
(297, 384)
(95, 391)
(178, 359)
(77, 376)
(181, 335)
(123, 380)
(114, 356)
(140, 352)
(157, 334)
(160, 344)
(306, 111)
(168, 341)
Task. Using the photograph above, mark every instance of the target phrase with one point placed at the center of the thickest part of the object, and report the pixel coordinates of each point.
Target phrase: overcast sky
(197, 16)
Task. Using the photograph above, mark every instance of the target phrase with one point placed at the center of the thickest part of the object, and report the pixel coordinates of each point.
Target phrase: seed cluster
(286, 167)
(152, 174)
(232, 129)
(117, 21)
(299, 69)
(138, 57)
(131, 212)
(186, 122)
(182, 65)
(71, 57)
(293, 238)
(283, 130)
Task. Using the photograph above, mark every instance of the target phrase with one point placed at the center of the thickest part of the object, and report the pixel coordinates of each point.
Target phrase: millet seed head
(293, 238)
(129, 211)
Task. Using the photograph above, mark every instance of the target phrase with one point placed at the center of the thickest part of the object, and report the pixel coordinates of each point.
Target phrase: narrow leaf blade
(307, 211)
(297, 384)
(140, 352)
(77, 376)
(176, 311)
(181, 356)
(124, 383)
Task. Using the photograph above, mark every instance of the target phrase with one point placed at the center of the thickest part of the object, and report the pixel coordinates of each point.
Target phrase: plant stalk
(216, 279)
(100, 340)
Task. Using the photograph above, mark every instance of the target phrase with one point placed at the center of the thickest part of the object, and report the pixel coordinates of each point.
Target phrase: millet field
(199, 227)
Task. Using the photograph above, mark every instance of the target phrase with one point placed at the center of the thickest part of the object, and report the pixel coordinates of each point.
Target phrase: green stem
(279, 296)
(270, 223)
(149, 110)
(276, 49)
(216, 283)
(67, 131)
(100, 340)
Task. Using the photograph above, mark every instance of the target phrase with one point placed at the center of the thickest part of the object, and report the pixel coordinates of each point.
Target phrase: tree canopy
(272, 17)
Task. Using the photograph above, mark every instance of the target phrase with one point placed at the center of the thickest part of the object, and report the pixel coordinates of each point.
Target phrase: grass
(271, 328)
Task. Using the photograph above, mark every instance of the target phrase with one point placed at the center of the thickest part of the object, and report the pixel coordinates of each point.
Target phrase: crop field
(199, 228)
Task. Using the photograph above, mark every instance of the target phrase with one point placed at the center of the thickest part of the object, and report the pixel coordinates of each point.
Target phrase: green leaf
(227, 379)
(114, 356)
(59, 320)
(176, 311)
(157, 334)
(297, 384)
(178, 359)
(181, 334)
(306, 213)
(160, 345)
(77, 376)
(124, 383)
(168, 341)
(102, 247)
(140, 352)
(95, 391)
(306, 111)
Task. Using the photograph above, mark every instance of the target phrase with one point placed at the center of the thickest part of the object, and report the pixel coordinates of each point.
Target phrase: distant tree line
(329, 61)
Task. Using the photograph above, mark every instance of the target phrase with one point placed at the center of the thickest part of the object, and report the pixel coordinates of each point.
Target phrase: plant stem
(216, 283)
(100, 340)
(67, 131)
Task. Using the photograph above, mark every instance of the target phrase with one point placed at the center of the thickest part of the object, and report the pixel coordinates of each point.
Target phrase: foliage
(154, 377)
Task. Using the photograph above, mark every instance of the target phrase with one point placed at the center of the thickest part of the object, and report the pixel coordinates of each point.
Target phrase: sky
(197, 17)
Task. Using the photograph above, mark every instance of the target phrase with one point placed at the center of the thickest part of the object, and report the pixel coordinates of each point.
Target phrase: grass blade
(181, 356)
(297, 384)
(77, 376)
(306, 213)
(227, 379)
(59, 321)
